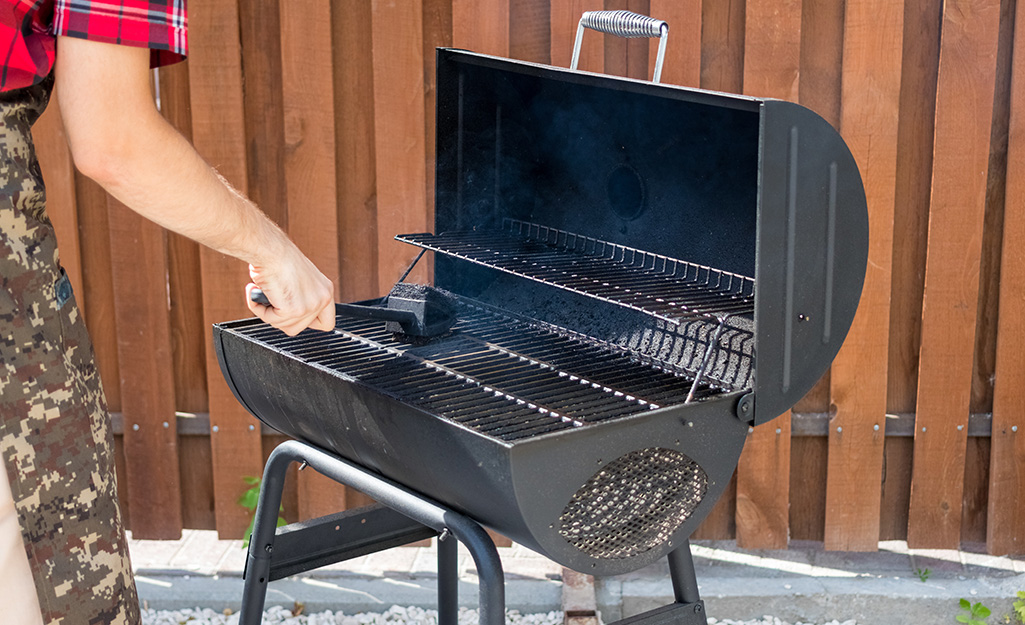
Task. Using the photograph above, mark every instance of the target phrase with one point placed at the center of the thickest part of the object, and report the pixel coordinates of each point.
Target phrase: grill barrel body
(642, 273)
(521, 489)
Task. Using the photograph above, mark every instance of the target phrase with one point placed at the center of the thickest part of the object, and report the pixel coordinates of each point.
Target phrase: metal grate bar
(664, 287)
(503, 376)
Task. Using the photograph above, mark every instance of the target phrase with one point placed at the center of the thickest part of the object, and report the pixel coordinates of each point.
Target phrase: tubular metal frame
(417, 507)
(687, 609)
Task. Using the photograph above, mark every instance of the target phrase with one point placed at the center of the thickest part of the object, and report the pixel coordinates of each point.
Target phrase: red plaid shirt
(29, 29)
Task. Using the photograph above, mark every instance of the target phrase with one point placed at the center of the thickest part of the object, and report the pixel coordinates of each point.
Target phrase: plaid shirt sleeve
(159, 25)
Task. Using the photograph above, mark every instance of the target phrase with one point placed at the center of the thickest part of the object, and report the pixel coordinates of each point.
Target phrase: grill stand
(401, 517)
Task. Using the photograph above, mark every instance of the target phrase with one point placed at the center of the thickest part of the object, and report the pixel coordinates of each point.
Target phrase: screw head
(1014, 428)
(960, 427)
(135, 427)
(839, 429)
(876, 427)
(252, 427)
(166, 425)
(215, 429)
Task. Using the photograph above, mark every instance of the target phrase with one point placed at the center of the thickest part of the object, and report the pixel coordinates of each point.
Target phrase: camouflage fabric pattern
(55, 435)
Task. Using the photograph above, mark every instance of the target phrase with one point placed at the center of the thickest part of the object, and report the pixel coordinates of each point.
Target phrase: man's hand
(120, 140)
(300, 296)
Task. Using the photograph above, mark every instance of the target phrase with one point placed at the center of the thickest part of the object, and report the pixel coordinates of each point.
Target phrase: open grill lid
(761, 197)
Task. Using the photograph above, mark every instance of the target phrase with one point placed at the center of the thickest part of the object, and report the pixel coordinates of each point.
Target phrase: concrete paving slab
(805, 583)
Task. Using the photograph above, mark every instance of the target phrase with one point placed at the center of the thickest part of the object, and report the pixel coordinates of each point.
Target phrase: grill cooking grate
(633, 504)
(500, 375)
(664, 287)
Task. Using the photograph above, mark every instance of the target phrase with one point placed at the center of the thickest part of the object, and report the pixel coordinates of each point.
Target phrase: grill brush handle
(623, 24)
(353, 310)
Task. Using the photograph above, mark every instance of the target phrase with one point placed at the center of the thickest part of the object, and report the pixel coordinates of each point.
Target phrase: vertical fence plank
(438, 32)
(91, 202)
(873, 35)
(309, 167)
(682, 65)
(964, 101)
(722, 45)
(215, 83)
(1005, 529)
(150, 437)
(772, 53)
(188, 344)
(530, 30)
(260, 32)
(59, 174)
(355, 150)
(989, 266)
(911, 212)
(481, 26)
(399, 129)
(565, 16)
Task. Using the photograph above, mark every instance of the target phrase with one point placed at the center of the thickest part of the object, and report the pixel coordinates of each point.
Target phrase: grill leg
(681, 571)
(261, 544)
(448, 581)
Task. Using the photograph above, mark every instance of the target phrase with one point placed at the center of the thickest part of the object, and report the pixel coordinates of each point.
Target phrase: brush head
(435, 310)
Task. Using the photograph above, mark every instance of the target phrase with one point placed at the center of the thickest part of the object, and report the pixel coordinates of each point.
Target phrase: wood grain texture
(399, 131)
(437, 27)
(682, 65)
(91, 202)
(722, 45)
(565, 16)
(185, 285)
(218, 127)
(481, 26)
(197, 484)
(772, 53)
(911, 211)
(310, 177)
(873, 39)
(261, 33)
(897, 460)
(59, 173)
(530, 31)
(356, 151)
(139, 264)
(968, 49)
(809, 457)
(992, 229)
(1005, 529)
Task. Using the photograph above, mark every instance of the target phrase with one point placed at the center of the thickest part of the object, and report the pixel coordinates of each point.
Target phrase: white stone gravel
(396, 615)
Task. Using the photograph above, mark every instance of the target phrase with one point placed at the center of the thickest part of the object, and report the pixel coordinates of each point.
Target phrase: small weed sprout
(973, 613)
(923, 574)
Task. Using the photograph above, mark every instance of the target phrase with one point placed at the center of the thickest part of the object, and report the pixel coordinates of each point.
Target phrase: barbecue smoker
(640, 273)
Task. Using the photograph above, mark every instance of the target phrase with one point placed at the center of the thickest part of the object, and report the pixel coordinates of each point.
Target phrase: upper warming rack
(667, 288)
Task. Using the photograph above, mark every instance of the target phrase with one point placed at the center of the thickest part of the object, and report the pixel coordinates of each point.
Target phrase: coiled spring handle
(623, 24)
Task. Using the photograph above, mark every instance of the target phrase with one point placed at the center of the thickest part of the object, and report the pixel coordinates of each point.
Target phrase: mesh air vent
(633, 504)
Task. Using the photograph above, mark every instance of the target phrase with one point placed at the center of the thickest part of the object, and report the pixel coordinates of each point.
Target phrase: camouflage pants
(55, 435)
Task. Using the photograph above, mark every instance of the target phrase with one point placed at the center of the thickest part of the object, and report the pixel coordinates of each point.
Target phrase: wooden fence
(323, 112)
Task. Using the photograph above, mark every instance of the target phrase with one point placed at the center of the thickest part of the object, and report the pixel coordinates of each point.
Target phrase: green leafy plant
(974, 613)
(1019, 607)
(248, 500)
(923, 574)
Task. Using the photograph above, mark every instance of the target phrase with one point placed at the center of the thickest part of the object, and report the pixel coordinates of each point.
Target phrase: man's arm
(120, 140)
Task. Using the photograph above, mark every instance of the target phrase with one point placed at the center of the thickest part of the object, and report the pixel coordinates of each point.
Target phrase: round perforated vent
(633, 504)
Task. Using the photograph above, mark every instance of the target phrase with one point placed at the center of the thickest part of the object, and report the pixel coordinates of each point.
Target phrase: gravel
(396, 615)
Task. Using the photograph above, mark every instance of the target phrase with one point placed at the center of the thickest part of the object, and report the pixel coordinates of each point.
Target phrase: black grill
(640, 273)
